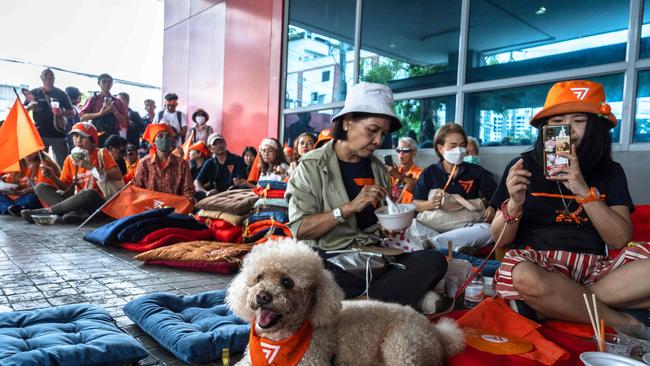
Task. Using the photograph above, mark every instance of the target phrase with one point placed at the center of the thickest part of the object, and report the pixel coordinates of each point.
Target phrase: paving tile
(5, 309)
(65, 300)
(30, 296)
(29, 305)
(20, 290)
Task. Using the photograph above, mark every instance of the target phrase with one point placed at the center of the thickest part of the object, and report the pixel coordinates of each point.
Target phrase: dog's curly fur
(294, 281)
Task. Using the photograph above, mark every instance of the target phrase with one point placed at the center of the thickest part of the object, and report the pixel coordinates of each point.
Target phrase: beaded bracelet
(509, 219)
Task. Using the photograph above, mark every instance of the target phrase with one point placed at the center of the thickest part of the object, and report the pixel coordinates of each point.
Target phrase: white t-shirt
(172, 119)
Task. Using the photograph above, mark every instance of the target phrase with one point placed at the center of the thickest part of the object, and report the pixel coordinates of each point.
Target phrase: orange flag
(17, 127)
(134, 200)
(187, 144)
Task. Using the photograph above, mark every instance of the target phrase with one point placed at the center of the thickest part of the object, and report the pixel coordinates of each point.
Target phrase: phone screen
(388, 160)
(28, 95)
(556, 138)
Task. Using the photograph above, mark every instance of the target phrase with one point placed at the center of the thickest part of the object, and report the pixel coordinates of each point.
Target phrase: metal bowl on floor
(47, 219)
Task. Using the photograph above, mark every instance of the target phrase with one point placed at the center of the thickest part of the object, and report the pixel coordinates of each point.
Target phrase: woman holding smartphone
(558, 225)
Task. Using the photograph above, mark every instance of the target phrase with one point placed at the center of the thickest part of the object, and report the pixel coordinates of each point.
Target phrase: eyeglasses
(374, 132)
(401, 150)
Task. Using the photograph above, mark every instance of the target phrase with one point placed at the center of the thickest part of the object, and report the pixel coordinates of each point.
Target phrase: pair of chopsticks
(598, 325)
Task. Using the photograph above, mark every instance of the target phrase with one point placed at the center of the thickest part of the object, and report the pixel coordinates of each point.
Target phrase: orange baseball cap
(153, 129)
(575, 96)
(85, 129)
(324, 136)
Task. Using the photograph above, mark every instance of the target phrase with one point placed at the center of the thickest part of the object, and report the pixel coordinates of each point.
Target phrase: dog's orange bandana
(287, 352)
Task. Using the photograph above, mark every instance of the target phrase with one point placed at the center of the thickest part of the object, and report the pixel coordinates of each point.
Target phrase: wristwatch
(338, 215)
(594, 195)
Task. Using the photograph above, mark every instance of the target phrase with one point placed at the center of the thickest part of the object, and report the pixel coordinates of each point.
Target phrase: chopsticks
(598, 324)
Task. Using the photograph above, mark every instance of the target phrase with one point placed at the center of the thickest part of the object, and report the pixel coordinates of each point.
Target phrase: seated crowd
(554, 225)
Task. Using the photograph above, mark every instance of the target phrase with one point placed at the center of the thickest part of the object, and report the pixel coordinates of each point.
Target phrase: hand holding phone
(28, 95)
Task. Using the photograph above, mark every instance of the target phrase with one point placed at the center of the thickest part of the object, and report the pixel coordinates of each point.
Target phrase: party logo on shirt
(466, 185)
(230, 168)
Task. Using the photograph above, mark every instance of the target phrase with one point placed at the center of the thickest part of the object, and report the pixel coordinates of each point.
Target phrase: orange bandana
(287, 352)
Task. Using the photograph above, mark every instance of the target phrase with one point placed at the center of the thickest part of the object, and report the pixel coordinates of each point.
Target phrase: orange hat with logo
(201, 148)
(153, 129)
(575, 96)
(85, 129)
(324, 136)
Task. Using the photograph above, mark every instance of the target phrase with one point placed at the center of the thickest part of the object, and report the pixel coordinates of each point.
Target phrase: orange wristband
(594, 195)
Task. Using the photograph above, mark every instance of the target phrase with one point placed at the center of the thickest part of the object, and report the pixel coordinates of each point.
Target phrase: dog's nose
(263, 298)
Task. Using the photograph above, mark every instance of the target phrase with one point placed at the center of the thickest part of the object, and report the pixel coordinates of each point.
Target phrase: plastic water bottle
(475, 291)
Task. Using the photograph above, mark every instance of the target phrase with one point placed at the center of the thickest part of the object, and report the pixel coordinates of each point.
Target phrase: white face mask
(200, 120)
(455, 156)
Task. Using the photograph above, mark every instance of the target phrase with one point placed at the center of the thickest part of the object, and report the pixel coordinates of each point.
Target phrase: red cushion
(641, 223)
(216, 267)
(169, 239)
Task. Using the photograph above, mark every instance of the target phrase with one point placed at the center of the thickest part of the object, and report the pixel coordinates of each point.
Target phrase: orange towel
(496, 316)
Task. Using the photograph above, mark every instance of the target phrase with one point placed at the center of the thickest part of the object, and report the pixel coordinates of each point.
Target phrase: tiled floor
(44, 266)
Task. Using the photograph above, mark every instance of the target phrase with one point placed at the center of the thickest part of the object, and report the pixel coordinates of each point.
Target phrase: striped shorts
(585, 269)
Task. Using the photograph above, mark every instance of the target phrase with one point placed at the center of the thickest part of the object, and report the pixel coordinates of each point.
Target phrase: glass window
(313, 122)
(642, 121)
(320, 51)
(644, 50)
(410, 45)
(510, 38)
(421, 118)
(501, 117)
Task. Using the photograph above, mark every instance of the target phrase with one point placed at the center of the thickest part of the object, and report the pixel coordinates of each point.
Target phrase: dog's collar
(287, 352)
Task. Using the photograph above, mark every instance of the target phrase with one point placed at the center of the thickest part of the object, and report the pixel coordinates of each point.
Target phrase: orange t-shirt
(407, 197)
(85, 177)
(23, 177)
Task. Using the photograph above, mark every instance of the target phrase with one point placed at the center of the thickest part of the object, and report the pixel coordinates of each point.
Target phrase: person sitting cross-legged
(162, 171)
(557, 221)
(77, 193)
(22, 196)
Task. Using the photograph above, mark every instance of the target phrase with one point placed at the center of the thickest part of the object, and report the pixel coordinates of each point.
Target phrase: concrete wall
(635, 164)
(225, 56)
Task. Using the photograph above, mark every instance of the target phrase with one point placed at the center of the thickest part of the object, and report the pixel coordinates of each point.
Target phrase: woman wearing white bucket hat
(333, 193)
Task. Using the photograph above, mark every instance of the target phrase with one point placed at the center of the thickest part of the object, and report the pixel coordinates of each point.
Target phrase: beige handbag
(109, 187)
(455, 211)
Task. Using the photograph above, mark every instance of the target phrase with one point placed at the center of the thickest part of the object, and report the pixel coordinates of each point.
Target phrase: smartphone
(556, 139)
(388, 160)
(28, 95)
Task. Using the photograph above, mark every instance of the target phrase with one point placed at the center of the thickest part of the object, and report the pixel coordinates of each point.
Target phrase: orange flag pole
(102, 206)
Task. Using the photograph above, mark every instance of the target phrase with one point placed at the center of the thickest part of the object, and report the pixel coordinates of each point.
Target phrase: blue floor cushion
(195, 328)
(80, 334)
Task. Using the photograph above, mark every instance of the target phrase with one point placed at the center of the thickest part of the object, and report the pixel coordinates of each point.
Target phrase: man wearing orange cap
(559, 224)
(162, 171)
(78, 193)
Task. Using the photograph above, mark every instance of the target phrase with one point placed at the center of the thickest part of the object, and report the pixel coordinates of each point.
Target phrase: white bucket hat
(370, 98)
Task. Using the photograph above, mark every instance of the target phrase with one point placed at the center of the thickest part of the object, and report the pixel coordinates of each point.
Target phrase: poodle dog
(284, 283)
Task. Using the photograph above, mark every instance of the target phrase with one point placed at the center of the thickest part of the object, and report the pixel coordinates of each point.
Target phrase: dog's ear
(237, 298)
(328, 300)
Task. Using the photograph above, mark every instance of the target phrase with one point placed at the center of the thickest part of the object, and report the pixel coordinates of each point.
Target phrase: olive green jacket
(317, 187)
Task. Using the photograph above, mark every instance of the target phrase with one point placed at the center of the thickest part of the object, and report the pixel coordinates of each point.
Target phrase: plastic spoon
(393, 209)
